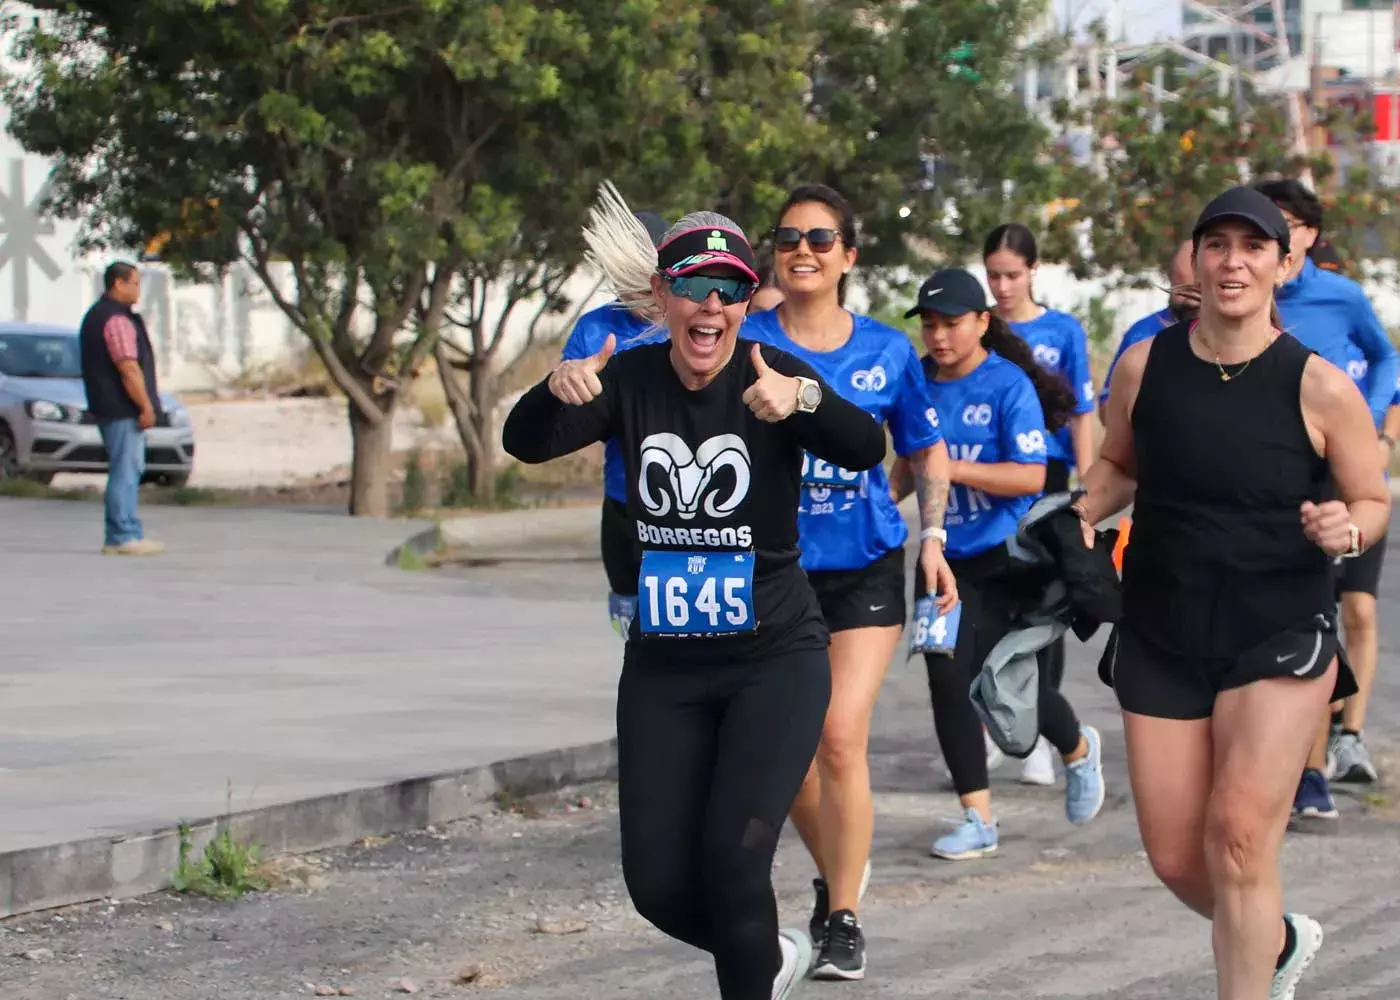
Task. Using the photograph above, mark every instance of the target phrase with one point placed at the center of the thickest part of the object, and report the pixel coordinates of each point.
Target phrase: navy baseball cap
(1325, 256)
(656, 225)
(1245, 205)
(951, 292)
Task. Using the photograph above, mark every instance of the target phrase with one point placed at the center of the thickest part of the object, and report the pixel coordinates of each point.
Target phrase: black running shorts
(1150, 681)
(622, 553)
(868, 597)
(1361, 575)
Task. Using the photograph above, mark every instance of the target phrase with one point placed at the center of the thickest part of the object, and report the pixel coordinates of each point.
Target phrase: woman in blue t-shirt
(852, 538)
(1059, 344)
(992, 398)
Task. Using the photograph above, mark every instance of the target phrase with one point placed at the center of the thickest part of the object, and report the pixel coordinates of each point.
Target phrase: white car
(45, 427)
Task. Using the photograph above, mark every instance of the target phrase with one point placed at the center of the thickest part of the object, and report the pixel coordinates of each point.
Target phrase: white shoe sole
(831, 973)
(790, 979)
(972, 855)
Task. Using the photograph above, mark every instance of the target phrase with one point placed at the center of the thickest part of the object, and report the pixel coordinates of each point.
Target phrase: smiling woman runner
(1227, 434)
(725, 680)
(852, 537)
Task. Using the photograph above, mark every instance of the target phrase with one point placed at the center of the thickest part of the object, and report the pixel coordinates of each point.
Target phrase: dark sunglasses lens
(786, 238)
(698, 288)
(821, 240)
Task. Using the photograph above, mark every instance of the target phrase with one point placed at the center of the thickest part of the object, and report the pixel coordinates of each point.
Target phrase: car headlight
(179, 416)
(42, 409)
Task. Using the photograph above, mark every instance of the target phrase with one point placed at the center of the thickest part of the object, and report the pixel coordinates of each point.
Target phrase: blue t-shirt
(1329, 314)
(1059, 343)
(586, 340)
(1148, 326)
(847, 520)
(991, 415)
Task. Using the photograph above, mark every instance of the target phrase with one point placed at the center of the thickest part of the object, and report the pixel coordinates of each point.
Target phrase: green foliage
(1098, 320)
(415, 485)
(228, 869)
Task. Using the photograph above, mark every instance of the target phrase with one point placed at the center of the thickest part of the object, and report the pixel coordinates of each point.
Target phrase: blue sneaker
(1084, 787)
(971, 839)
(1314, 797)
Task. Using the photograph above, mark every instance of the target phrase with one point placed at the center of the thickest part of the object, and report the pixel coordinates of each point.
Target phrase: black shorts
(622, 553)
(869, 597)
(1150, 681)
(1361, 575)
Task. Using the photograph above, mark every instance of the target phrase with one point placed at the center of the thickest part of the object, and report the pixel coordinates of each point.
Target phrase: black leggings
(709, 763)
(1052, 658)
(986, 618)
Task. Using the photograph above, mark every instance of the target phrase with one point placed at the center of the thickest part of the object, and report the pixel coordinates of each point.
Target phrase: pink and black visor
(707, 246)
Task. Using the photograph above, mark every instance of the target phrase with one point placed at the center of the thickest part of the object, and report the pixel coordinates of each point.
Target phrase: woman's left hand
(773, 396)
(942, 585)
(1326, 525)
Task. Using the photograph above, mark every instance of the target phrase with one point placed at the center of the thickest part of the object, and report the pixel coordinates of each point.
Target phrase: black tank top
(1218, 561)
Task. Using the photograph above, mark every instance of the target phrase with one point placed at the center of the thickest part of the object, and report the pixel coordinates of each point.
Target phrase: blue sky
(1143, 20)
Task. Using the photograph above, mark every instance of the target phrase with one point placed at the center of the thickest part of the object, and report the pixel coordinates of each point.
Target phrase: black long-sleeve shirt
(707, 477)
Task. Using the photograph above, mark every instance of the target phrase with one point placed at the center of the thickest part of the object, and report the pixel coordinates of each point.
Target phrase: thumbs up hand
(576, 382)
(773, 396)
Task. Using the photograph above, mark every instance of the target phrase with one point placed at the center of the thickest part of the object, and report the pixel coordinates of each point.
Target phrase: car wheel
(9, 466)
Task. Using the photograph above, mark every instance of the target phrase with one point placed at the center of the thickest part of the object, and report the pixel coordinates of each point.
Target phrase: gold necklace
(1225, 374)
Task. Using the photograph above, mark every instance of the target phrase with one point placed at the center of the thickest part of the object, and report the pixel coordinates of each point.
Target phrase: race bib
(819, 473)
(621, 611)
(696, 593)
(932, 632)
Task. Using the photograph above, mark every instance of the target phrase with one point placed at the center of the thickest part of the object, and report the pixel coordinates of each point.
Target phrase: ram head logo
(691, 476)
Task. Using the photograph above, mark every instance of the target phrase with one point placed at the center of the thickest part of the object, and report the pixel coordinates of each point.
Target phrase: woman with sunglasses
(725, 679)
(994, 398)
(1060, 345)
(852, 539)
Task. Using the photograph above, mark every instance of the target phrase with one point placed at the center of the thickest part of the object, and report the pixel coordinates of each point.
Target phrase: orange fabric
(1125, 527)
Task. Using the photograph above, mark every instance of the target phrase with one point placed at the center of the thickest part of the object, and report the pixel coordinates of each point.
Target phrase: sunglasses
(697, 288)
(787, 238)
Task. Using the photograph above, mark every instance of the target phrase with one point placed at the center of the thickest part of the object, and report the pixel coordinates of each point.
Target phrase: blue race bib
(934, 633)
(696, 593)
(819, 473)
(621, 611)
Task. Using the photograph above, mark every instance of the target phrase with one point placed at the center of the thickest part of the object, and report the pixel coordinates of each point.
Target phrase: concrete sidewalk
(269, 658)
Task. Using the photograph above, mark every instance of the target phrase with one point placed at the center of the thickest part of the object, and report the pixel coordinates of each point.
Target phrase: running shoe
(843, 951)
(1314, 797)
(1084, 786)
(1039, 768)
(796, 947)
(1351, 761)
(971, 839)
(821, 910)
(1307, 939)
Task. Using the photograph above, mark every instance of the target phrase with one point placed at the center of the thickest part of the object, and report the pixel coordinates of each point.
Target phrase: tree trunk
(481, 460)
(372, 451)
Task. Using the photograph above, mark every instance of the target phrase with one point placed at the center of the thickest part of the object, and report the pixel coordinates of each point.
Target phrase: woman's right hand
(576, 382)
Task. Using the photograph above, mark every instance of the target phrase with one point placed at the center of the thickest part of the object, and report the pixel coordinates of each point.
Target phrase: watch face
(811, 394)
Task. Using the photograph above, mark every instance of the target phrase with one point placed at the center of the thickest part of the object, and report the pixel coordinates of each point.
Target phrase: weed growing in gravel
(228, 869)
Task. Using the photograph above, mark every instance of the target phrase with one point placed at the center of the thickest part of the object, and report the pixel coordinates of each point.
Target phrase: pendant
(1224, 377)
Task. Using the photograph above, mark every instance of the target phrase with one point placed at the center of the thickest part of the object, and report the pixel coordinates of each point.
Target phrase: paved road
(269, 656)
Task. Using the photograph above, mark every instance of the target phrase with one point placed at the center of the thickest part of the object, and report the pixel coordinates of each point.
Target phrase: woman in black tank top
(1228, 437)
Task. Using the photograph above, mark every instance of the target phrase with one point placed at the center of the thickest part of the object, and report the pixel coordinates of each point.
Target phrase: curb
(502, 532)
(122, 866)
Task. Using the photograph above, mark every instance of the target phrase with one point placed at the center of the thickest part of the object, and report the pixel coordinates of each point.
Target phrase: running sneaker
(971, 839)
(1084, 786)
(1351, 761)
(1314, 797)
(843, 952)
(797, 959)
(1307, 939)
(1039, 768)
(821, 910)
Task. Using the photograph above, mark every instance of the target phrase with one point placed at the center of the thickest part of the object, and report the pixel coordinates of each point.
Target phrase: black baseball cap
(1246, 205)
(707, 246)
(656, 225)
(1325, 256)
(951, 292)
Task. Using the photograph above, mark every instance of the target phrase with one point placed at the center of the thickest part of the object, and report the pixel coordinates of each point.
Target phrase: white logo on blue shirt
(979, 415)
(1031, 442)
(869, 380)
(1046, 355)
(1357, 370)
(932, 414)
